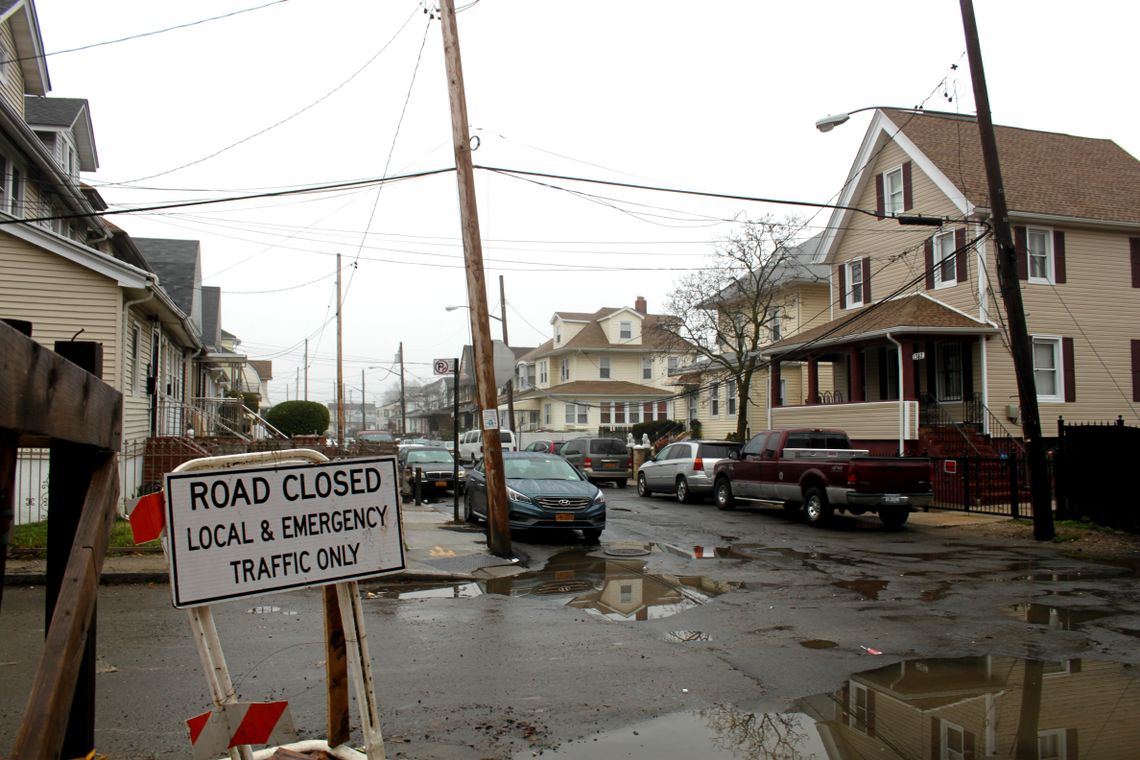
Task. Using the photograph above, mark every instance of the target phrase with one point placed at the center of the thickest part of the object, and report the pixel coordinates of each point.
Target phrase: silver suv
(684, 468)
(600, 459)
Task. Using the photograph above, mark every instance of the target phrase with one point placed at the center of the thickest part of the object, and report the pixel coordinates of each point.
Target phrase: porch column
(906, 382)
(855, 375)
(774, 390)
(813, 381)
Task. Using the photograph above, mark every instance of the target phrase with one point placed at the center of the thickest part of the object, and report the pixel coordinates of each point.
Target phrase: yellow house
(917, 328)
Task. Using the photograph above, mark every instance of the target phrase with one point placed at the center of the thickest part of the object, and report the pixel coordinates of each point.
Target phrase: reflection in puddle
(966, 707)
(616, 589)
(868, 588)
(419, 591)
(1060, 618)
(687, 636)
(818, 644)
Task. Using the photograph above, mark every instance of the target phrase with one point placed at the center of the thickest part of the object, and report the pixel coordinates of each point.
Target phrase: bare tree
(733, 307)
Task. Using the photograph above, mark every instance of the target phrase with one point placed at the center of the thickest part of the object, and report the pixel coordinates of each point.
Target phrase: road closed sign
(241, 532)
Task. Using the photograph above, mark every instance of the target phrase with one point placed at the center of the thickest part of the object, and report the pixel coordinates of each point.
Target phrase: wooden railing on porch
(56, 399)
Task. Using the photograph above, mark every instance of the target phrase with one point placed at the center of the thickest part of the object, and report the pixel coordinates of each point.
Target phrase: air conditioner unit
(1013, 411)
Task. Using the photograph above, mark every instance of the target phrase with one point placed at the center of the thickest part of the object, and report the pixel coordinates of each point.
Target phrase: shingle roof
(910, 314)
(1043, 172)
(593, 337)
(598, 388)
(176, 262)
(211, 313)
(53, 112)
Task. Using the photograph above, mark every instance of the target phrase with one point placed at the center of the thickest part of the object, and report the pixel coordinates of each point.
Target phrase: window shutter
(1075, 665)
(866, 280)
(870, 712)
(1134, 251)
(928, 252)
(1136, 370)
(880, 205)
(844, 700)
(908, 196)
(1058, 256)
(1071, 746)
(968, 752)
(1070, 369)
(961, 258)
(843, 286)
(935, 739)
(1021, 244)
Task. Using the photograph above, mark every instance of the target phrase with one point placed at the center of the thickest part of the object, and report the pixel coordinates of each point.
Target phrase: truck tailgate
(890, 475)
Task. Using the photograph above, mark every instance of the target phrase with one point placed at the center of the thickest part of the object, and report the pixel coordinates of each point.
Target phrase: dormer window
(558, 335)
(625, 330)
(893, 191)
(893, 194)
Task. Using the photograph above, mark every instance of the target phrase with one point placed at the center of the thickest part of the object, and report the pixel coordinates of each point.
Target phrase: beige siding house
(917, 331)
(607, 369)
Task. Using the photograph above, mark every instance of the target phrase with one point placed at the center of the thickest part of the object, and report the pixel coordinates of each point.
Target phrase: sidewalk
(436, 550)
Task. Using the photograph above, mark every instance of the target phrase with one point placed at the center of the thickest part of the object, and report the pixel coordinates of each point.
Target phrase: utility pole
(1020, 344)
(339, 363)
(498, 528)
(403, 399)
(363, 404)
(306, 369)
(511, 382)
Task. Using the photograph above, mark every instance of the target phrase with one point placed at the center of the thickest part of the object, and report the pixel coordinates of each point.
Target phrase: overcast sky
(715, 97)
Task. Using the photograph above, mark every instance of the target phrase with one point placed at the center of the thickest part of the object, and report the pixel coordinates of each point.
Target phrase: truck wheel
(894, 518)
(683, 494)
(643, 487)
(722, 495)
(817, 509)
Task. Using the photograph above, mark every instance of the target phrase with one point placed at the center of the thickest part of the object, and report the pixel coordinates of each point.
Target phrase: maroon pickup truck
(818, 472)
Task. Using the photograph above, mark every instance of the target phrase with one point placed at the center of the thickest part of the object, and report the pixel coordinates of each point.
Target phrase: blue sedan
(544, 492)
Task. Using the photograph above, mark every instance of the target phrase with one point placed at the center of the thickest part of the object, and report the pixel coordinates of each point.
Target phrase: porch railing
(933, 414)
(981, 414)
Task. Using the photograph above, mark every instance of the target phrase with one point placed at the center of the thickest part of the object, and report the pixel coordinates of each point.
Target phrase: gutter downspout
(902, 396)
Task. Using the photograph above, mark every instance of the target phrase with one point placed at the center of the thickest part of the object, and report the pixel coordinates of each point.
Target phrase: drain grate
(626, 551)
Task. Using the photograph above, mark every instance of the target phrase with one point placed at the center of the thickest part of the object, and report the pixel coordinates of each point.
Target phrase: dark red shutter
(968, 751)
(1136, 370)
(1070, 369)
(1021, 243)
(961, 257)
(843, 286)
(928, 252)
(908, 196)
(880, 206)
(935, 739)
(1058, 256)
(844, 701)
(1134, 251)
(1071, 745)
(870, 712)
(1075, 665)
(866, 279)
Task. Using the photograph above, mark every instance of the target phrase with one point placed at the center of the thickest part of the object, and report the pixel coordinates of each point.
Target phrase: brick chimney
(640, 306)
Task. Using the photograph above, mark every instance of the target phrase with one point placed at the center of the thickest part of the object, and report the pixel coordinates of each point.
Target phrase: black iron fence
(1093, 461)
(991, 485)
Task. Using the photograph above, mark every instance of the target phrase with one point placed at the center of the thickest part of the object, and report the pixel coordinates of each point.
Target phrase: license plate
(564, 517)
(609, 465)
(892, 498)
(441, 484)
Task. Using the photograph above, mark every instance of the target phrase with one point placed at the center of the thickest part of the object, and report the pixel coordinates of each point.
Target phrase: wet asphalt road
(581, 646)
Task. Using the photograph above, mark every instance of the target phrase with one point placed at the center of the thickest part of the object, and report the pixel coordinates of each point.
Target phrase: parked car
(471, 444)
(437, 465)
(548, 447)
(684, 468)
(817, 472)
(600, 459)
(544, 492)
(375, 436)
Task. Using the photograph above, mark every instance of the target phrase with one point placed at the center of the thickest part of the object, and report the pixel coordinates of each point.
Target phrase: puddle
(432, 591)
(1059, 618)
(912, 709)
(616, 589)
(268, 610)
(867, 587)
(685, 636)
(818, 644)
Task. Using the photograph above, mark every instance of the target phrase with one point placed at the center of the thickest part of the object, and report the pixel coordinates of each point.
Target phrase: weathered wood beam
(41, 735)
(42, 393)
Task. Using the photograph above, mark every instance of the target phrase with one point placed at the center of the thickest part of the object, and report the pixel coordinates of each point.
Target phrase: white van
(471, 445)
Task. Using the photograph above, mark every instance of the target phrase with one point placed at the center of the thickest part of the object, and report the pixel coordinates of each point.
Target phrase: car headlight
(514, 495)
(599, 499)
(462, 473)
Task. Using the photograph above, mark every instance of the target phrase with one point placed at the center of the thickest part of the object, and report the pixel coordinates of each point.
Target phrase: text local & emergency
(292, 526)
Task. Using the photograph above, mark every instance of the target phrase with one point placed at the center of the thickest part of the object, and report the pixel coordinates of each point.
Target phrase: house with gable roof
(607, 369)
(916, 338)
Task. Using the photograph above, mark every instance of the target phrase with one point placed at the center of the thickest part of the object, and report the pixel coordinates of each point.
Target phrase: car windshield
(376, 437)
(607, 446)
(416, 456)
(539, 468)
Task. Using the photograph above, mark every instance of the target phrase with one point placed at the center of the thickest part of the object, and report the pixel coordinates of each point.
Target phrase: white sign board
(443, 366)
(490, 419)
(240, 532)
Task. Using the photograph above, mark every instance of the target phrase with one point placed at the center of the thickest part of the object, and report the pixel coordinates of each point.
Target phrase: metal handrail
(994, 421)
(941, 418)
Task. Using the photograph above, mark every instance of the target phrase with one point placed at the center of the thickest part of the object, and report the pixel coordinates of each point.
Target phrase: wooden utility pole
(403, 399)
(498, 528)
(511, 382)
(1019, 341)
(307, 368)
(339, 363)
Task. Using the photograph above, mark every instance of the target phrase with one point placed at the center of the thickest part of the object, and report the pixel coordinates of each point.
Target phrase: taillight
(587, 462)
(851, 477)
(698, 464)
(629, 463)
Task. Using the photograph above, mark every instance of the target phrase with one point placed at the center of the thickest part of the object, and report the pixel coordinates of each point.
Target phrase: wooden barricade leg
(336, 670)
(348, 595)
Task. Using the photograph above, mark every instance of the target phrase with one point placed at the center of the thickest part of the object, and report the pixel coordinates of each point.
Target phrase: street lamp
(453, 308)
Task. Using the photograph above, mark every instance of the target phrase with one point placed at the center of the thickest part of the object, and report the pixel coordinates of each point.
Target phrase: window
(577, 414)
(646, 368)
(953, 741)
(1039, 249)
(774, 323)
(558, 335)
(543, 373)
(634, 412)
(1047, 369)
(625, 330)
(17, 194)
(619, 412)
(714, 399)
(626, 593)
(854, 283)
(945, 263)
(730, 400)
(134, 359)
(1051, 745)
(893, 192)
(564, 372)
(546, 409)
(949, 377)
(858, 708)
(604, 367)
(673, 363)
